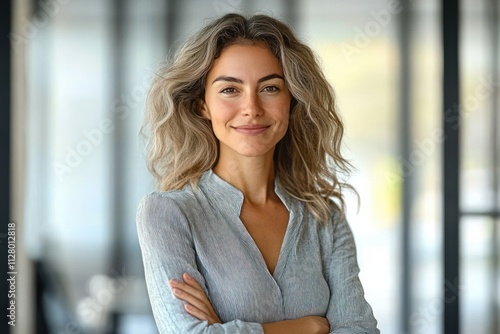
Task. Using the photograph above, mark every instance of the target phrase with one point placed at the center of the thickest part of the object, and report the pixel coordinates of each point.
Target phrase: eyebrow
(233, 79)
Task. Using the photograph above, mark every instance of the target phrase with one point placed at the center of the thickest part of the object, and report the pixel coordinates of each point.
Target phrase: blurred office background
(80, 74)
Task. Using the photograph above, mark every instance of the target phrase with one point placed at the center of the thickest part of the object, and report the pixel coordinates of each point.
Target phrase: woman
(247, 233)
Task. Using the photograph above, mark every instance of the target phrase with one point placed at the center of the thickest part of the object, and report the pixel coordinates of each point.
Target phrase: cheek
(285, 114)
(221, 112)
(284, 126)
(220, 119)
(285, 107)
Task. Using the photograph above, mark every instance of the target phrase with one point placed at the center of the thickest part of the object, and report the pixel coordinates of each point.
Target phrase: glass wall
(358, 48)
(424, 165)
(480, 167)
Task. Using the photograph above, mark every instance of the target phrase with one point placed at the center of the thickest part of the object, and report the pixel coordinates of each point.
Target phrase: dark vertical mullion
(494, 28)
(172, 13)
(451, 163)
(117, 176)
(405, 136)
(5, 102)
(290, 9)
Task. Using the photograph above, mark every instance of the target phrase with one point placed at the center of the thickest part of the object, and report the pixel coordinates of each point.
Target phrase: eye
(228, 90)
(271, 89)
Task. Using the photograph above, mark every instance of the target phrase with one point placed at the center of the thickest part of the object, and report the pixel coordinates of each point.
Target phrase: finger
(202, 305)
(199, 294)
(198, 314)
(192, 293)
(192, 282)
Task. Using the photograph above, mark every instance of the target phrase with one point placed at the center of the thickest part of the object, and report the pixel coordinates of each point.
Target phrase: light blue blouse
(199, 231)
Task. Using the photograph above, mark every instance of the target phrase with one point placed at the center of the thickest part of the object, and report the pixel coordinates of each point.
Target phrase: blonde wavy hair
(181, 143)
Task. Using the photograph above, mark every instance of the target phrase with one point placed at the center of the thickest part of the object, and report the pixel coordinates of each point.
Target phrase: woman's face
(247, 101)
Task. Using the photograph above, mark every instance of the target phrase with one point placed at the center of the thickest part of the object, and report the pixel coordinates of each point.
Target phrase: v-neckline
(281, 254)
(231, 198)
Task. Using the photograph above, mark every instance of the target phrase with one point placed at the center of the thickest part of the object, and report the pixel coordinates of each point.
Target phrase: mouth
(251, 129)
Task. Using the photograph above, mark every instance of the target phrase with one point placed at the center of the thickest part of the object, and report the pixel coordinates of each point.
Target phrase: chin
(254, 153)
(249, 150)
(251, 154)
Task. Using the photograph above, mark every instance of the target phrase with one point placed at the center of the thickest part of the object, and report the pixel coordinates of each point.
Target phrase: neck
(254, 177)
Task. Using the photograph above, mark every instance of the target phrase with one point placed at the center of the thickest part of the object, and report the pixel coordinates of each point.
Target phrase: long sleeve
(168, 251)
(348, 311)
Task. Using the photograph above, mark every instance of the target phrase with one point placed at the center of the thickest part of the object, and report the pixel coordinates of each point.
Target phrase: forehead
(245, 60)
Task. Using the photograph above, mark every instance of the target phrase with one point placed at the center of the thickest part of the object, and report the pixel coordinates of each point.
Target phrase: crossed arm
(198, 305)
(186, 308)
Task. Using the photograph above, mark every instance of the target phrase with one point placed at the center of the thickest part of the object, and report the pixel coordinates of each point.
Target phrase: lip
(251, 129)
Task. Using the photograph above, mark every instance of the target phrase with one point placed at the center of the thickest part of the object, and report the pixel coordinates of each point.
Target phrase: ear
(202, 106)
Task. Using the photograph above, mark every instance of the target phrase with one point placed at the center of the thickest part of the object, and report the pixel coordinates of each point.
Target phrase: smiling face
(247, 101)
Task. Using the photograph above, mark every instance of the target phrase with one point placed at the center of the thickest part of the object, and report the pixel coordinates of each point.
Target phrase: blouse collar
(229, 198)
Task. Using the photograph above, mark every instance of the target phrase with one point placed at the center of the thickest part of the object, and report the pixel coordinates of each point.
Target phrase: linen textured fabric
(199, 231)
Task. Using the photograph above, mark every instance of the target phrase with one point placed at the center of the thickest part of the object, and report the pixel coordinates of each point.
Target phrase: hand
(320, 325)
(197, 303)
(304, 325)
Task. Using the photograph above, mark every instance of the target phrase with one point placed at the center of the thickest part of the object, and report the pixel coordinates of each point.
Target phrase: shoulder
(180, 198)
(341, 232)
(336, 227)
(166, 205)
(337, 217)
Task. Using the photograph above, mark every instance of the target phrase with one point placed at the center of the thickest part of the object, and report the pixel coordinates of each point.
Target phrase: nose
(251, 106)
